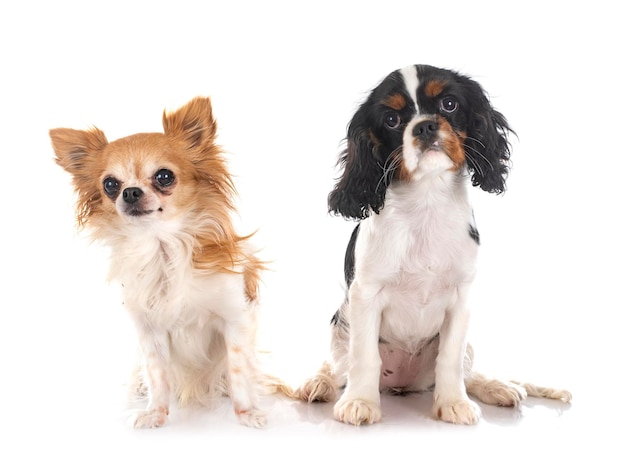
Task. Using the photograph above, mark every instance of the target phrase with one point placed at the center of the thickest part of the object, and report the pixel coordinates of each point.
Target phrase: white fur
(411, 81)
(414, 263)
(196, 328)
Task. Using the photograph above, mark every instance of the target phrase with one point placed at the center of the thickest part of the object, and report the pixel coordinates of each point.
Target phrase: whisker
(475, 165)
(389, 166)
(479, 153)
(476, 140)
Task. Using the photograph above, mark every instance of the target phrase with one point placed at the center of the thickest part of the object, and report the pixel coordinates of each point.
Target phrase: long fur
(190, 282)
(413, 146)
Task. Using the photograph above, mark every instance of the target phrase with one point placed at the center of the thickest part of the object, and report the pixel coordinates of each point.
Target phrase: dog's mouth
(433, 147)
(137, 213)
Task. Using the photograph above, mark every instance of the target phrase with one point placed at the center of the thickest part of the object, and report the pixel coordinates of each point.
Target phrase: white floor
(310, 428)
(68, 362)
(94, 421)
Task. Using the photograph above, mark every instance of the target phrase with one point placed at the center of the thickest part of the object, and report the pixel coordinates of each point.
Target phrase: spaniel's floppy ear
(362, 186)
(487, 144)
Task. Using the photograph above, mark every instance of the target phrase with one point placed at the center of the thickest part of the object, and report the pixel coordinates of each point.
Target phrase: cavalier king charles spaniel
(412, 147)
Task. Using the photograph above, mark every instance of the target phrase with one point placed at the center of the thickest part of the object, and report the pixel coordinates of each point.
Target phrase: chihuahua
(163, 204)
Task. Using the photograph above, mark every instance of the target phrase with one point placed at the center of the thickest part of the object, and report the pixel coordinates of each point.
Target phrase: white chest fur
(161, 285)
(414, 255)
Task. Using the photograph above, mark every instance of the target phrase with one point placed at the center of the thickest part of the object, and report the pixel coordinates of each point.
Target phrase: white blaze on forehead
(409, 74)
(409, 151)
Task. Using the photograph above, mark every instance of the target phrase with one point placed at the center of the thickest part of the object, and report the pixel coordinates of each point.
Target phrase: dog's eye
(393, 120)
(111, 186)
(449, 104)
(164, 177)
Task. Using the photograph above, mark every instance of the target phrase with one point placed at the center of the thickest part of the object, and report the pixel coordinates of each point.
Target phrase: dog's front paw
(357, 412)
(251, 418)
(463, 411)
(148, 419)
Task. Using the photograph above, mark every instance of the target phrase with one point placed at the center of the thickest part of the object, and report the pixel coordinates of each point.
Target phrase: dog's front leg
(451, 402)
(360, 402)
(155, 349)
(239, 335)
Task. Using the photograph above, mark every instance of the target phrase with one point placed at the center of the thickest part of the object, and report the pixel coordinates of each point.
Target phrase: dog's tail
(274, 385)
(545, 393)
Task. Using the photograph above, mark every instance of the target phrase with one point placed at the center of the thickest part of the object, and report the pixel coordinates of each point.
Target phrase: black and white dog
(412, 147)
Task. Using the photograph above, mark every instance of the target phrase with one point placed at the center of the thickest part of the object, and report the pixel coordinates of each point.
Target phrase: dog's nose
(425, 129)
(131, 195)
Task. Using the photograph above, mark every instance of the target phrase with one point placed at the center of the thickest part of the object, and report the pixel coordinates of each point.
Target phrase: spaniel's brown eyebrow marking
(434, 88)
(395, 101)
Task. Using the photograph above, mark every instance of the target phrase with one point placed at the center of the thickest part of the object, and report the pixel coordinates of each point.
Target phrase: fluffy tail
(545, 393)
(274, 385)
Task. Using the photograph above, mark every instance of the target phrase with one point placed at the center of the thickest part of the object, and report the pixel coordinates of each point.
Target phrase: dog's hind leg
(331, 377)
(509, 393)
(493, 391)
(322, 387)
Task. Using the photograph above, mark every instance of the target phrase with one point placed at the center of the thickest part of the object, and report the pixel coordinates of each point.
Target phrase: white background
(285, 78)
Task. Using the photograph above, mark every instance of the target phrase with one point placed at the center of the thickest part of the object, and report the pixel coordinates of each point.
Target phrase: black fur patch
(473, 233)
(348, 264)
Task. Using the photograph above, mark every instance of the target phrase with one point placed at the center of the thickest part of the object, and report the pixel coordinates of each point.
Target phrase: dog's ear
(194, 127)
(77, 152)
(361, 188)
(193, 123)
(487, 144)
(75, 149)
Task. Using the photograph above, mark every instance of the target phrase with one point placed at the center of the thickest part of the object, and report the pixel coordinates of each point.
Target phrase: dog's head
(419, 119)
(147, 177)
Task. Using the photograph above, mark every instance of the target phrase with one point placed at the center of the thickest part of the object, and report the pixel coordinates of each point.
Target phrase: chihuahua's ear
(193, 123)
(76, 149)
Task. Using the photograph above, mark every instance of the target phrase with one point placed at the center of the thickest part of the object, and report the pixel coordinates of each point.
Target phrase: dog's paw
(506, 394)
(497, 392)
(560, 394)
(251, 418)
(357, 412)
(148, 419)
(318, 389)
(463, 411)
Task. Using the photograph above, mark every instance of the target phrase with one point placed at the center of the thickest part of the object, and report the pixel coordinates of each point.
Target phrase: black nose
(131, 195)
(425, 129)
